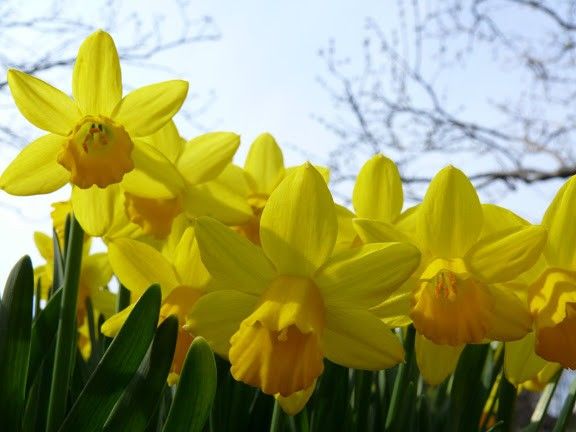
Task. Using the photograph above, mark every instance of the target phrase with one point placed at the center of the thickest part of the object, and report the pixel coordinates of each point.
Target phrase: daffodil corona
(284, 307)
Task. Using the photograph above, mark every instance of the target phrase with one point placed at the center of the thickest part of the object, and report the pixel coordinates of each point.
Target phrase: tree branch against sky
(486, 84)
(42, 38)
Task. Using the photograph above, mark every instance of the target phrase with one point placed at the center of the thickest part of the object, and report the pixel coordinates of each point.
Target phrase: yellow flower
(179, 271)
(263, 171)
(552, 297)
(457, 296)
(195, 163)
(92, 136)
(285, 306)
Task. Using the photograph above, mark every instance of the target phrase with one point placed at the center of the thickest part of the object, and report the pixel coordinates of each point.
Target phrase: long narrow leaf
(141, 397)
(196, 390)
(15, 330)
(117, 367)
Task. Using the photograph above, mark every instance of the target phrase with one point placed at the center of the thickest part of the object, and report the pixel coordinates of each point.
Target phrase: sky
(261, 75)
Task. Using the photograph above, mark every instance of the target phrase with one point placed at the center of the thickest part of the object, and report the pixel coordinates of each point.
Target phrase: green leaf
(15, 333)
(542, 405)
(141, 397)
(196, 390)
(117, 367)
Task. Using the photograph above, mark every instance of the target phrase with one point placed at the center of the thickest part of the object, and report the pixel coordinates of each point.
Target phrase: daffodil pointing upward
(92, 136)
(287, 305)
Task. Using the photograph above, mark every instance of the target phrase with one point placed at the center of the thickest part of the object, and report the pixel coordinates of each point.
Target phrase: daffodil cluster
(261, 262)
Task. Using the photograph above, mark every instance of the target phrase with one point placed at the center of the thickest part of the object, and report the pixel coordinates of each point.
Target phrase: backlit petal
(395, 309)
(153, 176)
(521, 363)
(265, 164)
(35, 170)
(357, 339)
(510, 318)
(44, 106)
(559, 218)
(378, 190)
(97, 80)
(216, 316)
(365, 276)
(502, 256)
(205, 156)
(498, 218)
(294, 403)
(298, 227)
(375, 231)
(139, 265)
(436, 362)
(232, 259)
(113, 324)
(95, 208)
(147, 109)
(450, 217)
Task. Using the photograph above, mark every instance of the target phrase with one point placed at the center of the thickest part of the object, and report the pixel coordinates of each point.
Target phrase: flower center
(450, 307)
(154, 216)
(277, 347)
(97, 152)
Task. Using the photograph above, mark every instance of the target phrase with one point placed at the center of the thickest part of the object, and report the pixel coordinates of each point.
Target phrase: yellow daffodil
(552, 297)
(178, 270)
(263, 170)
(92, 136)
(196, 163)
(283, 307)
(457, 296)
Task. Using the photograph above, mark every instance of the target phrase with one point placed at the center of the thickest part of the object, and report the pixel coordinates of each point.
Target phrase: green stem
(506, 402)
(302, 421)
(276, 424)
(401, 381)
(362, 393)
(66, 336)
(542, 405)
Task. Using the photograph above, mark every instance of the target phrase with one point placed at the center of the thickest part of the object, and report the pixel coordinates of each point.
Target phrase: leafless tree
(43, 40)
(489, 83)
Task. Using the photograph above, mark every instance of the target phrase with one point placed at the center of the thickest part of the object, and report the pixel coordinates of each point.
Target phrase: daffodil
(263, 171)
(196, 162)
(281, 308)
(92, 136)
(179, 271)
(552, 296)
(457, 295)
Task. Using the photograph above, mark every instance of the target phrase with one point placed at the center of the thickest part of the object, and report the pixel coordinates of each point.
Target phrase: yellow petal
(365, 276)
(346, 234)
(559, 218)
(510, 318)
(498, 218)
(375, 231)
(296, 402)
(145, 110)
(204, 157)
(97, 80)
(450, 217)
(216, 316)
(265, 164)
(357, 339)
(44, 245)
(521, 363)
(504, 255)
(231, 259)
(139, 265)
(235, 179)
(188, 263)
(298, 227)
(378, 190)
(153, 176)
(95, 208)
(436, 362)
(167, 140)
(36, 170)
(44, 106)
(218, 201)
(96, 271)
(395, 309)
(104, 301)
(112, 325)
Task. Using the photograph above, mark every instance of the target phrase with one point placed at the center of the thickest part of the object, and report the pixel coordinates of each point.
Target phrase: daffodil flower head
(283, 307)
(92, 136)
(553, 295)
